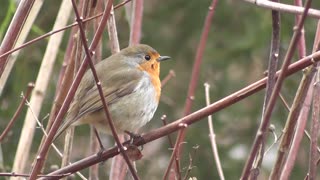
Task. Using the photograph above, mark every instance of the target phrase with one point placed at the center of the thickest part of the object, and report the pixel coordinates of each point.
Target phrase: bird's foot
(135, 138)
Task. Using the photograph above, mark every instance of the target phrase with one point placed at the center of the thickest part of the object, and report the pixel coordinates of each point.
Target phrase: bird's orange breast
(152, 67)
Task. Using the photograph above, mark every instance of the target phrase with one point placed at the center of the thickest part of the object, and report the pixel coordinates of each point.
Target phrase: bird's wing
(87, 99)
(121, 83)
(92, 101)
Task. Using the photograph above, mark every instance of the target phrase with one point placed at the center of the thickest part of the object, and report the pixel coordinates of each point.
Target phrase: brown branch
(169, 76)
(14, 30)
(95, 141)
(18, 111)
(302, 121)
(272, 69)
(105, 107)
(6, 53)
(194, 77)
(262, 131)
(13, 174)
(301, 46)
(284, 7)
(191, 157)
(192, 118)
(44, 149)
(290, 130)
(177, 163)
(136, 22)
(314, 155)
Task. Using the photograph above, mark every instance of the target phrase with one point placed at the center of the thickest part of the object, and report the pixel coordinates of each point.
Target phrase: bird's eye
(147, 57)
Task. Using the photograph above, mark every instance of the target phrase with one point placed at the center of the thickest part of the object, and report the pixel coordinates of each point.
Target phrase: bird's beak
(163, 58)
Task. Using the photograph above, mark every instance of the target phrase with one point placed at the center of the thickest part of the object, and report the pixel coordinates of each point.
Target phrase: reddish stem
(44, 149)
(18, 111)
(261, 133)
(14, 30)
(136, 22)
(106, 109)
(192, 118)
(194, 79)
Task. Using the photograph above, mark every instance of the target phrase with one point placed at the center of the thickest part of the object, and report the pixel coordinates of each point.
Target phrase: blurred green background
(236, 55)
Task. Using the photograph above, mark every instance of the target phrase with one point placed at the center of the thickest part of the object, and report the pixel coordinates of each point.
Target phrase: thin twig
(292, 130)
(13, 174)
(44, 149)
(166, 79)
(95, 141)
(314, 155)
(262, 131)
(192, 118)
(177, 163)
(106, 110)
(301, 46)
(212, 135)
(284, 7)
(272, 69)
(194, 78)
(18, 111)
(191, 157)
(14, 30)
(6, 53)
(40, 126)
(306, 104)
(36, 7)
(40, 89)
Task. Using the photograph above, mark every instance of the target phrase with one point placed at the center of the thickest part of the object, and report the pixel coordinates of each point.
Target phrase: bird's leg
(134, 138)
(100, 142)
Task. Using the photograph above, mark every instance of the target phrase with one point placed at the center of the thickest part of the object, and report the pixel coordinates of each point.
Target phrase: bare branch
(284, 7)
(261, 133)
(194, 76)
(18, 111)
(44, 149)
(212, 135)
(192, 118)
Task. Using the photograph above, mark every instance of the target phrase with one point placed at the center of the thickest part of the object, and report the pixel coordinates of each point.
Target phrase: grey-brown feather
(87, 99)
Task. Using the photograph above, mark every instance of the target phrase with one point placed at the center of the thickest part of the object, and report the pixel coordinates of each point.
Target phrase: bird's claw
(135, 138)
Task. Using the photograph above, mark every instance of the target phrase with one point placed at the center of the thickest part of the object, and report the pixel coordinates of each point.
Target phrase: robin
(131, 87)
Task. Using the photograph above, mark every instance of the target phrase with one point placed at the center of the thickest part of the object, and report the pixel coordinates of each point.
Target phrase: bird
(131, 87)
